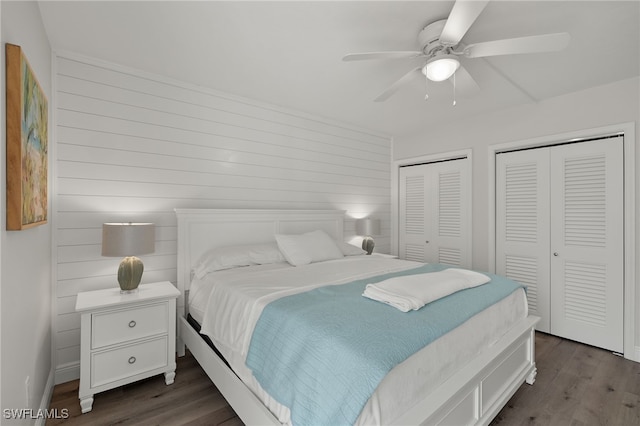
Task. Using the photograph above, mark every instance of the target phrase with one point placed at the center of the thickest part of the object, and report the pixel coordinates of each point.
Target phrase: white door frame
(631, 351)
(395, 191)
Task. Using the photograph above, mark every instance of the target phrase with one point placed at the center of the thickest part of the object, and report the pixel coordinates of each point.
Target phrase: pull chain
(426, 87)
(454, 89)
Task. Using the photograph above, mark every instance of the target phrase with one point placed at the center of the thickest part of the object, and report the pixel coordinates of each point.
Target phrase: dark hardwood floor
(191, 400)
(577, 385)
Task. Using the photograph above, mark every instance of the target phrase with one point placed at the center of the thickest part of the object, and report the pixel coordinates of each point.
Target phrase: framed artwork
(27, 143)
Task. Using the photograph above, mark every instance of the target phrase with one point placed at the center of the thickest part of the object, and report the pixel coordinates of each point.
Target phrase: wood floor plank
(191, 397)
(576, 385)
(601, 405)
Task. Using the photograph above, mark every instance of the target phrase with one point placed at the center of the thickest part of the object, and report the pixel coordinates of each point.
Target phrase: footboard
(476, 393)
(473, 396)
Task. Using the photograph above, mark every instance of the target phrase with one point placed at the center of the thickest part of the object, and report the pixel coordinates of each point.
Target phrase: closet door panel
(587, 242)
(435, 213)
(523, 226)
(414, 217)
(450, 212)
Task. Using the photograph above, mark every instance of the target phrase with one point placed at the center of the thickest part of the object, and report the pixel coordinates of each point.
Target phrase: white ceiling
(289, 53)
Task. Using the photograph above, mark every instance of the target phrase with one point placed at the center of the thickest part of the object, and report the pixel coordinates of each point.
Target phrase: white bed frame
(473, 395)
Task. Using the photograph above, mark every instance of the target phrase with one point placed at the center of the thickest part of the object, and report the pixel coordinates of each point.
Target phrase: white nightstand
(126, 337)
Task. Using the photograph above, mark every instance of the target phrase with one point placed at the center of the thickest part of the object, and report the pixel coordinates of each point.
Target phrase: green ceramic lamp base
(130, 274)
(368, 244)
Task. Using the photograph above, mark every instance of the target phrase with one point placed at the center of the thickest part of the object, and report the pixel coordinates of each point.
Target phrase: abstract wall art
(27, 143)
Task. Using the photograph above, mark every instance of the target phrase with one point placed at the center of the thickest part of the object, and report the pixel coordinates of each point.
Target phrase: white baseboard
(636, 354)
(67, 372)
(46, 399)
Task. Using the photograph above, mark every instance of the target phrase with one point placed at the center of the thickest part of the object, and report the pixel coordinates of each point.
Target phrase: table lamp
(129, 240)
(368, 227)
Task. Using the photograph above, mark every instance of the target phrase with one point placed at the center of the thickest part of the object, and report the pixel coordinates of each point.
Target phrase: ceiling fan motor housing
(429, 38)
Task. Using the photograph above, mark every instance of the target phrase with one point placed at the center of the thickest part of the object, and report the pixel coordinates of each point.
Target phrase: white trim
(46, 399)
(628, 129)
(67, 372)
(395, 191)
(394, 205)
(2, 198)
(53, 217)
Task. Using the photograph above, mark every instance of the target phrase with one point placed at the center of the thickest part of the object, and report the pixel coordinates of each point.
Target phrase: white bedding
(412, 292)
(228, 304)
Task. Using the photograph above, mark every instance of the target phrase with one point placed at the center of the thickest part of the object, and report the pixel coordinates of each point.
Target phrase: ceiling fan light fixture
(441, 68)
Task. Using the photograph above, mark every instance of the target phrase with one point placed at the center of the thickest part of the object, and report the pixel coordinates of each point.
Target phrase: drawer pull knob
(132, 324)
(132, 360)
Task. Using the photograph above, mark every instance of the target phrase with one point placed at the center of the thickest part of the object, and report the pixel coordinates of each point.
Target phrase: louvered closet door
(434, 213)
(587, 242)
(415, 219)
(559, 230)
(522, 225)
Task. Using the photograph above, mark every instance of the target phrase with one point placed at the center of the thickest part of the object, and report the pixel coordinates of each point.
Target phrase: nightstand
(125, 337)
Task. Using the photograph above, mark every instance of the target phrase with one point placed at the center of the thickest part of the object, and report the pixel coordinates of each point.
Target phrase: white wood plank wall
(131, 146)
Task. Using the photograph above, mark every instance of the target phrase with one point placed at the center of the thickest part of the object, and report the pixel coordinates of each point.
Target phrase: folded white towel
(411, 292)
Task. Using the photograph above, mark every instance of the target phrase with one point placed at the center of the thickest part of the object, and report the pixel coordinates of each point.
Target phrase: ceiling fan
(441, 48)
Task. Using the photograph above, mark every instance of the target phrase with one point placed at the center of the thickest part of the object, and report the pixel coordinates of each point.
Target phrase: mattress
(228, 304)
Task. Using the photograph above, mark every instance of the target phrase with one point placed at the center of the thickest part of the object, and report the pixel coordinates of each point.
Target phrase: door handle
(555, 253)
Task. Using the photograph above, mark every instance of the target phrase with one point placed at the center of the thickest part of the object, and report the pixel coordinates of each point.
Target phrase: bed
(462, 377)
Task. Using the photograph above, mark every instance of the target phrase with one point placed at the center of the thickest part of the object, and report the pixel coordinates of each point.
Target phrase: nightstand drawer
(123, 325)
(128, 361)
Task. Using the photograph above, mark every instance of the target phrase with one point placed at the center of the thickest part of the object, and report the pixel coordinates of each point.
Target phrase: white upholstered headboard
(202, 229)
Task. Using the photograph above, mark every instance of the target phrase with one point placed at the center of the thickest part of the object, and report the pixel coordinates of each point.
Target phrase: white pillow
(349, 249)
(263, 254)
(228, 257)
(315, 246)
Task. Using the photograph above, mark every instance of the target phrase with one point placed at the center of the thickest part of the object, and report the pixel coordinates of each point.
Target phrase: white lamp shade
(128, 239)
(368, 226)
(441, 68)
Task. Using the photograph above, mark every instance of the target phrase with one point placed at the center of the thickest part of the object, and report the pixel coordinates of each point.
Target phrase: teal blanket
(322, 353)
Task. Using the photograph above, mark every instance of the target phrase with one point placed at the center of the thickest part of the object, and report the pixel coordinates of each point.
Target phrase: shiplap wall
(131, 146)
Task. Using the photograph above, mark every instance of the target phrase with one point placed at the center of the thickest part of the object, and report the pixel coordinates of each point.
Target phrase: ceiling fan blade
(465, 84)
(395, 86)
(381, 55)
(532, 44)
(462, 16)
